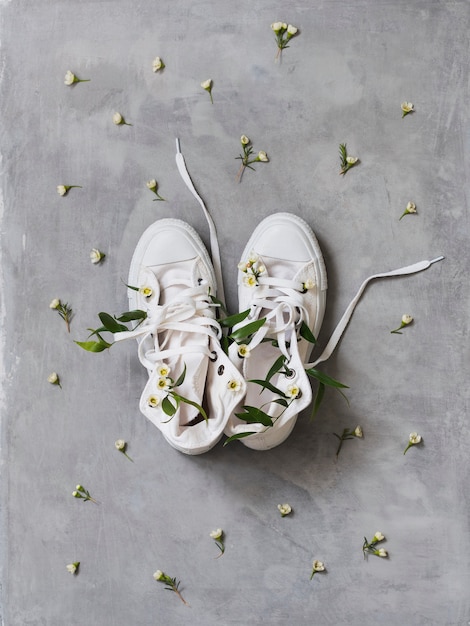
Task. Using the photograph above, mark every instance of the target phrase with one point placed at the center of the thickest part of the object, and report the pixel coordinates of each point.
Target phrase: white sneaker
(193, 387)
(282, 278)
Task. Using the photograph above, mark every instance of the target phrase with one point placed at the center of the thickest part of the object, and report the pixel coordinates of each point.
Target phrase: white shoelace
(187, 314)
(283, 308)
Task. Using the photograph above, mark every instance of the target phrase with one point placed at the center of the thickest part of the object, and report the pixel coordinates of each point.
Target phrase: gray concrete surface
(342, 80)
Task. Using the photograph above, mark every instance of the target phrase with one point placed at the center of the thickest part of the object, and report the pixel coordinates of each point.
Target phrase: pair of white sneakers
(251, 383)
(196, 392)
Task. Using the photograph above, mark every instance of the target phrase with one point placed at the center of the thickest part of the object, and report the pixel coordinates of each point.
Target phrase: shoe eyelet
(299, 395)
(289, 373)
(199, 281)
(213, 358)
(221, 369)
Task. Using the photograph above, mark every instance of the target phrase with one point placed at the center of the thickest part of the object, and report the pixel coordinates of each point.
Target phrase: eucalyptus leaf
(254, 415)
(110, 324)
(282, 402)
(168, 407)
(245, 331)
(276, 366)
(179, 399)
(306, 333)
(130, 316)
(318, 399)
(228, 322)
(238, 436)
(326, 380)
(180, 379)
(267, 385)
(94, 346)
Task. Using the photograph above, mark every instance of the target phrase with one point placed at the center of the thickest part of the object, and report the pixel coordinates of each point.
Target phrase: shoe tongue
(173, 277)
(281, 268)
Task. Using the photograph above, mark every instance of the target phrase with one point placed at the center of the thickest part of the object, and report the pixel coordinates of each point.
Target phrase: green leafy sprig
(283, 33)
(370, 547)
(64, 310)
(347, 162)
(82, 494)
(172, 400)
(111, 325)
(348, 434)
(171, 583)
(246, 157)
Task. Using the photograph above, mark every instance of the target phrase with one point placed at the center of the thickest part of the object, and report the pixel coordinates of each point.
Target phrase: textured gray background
(342, 80)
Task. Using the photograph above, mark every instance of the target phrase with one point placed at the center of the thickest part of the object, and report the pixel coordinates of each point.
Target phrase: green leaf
(168, 407)
(228, 322)
(282, 402)
(132, 287)
(94, 346)
(110, 324)
(130, 316)
(267, 385)
(180, 379)
(246, 331)
(192, 403)
(239, 436)
(253, 415)
(318, 399)
(326, 380)
(276, 366)
(306, 333)
(224, 344)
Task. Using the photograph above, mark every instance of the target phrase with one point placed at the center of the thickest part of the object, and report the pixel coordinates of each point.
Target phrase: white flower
(244, 140)
(291, 30)
(284, 509)
(69, 78)
(250, 280)
(163, 370)
(96, 256)
(72, 567)
(234, 385)
(159, 575)
(262, 156)
(293, 391)
(378, 536)
(216, 534)
(163, 383)
(120, 444)
(382, 552)
(54, 379)
(152, 184)
(406, 319)
(146, 291)
(414, 438)
(207, 85)
(157, 64)
(318, 566)
(351, 160)
(284, 26)
(55, 304)
(411, 207)
(153, 401)
(117, 118)
(358, 432)
(308, 284)
(252, 258)
(407, 107)
(244, 351)
(261, 270)
(61, 190)
(276, 26)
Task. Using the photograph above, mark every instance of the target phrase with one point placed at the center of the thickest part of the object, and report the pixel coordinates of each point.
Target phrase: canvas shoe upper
(282, 279)
(171, 278)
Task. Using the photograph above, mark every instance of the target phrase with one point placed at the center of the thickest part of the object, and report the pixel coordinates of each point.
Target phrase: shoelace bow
(186, 313)
(280, 301)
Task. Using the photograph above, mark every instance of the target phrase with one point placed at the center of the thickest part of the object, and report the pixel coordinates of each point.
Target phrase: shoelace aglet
(178, 147)
(439, 258)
